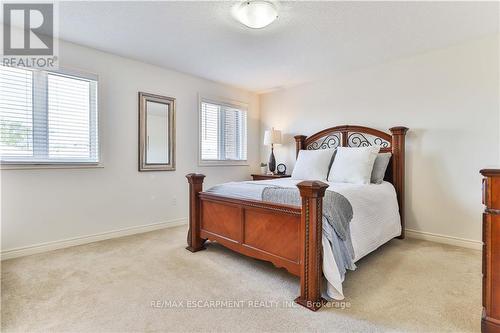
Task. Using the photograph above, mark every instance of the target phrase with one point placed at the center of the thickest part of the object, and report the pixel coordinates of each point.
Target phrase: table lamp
(272, 137)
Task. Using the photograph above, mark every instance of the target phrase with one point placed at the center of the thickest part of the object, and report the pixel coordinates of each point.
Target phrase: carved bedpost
(300, 143)
(312, 193)
(398, 170)
(195, 243)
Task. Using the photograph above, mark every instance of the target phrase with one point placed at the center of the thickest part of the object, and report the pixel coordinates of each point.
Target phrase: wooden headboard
(360, 136)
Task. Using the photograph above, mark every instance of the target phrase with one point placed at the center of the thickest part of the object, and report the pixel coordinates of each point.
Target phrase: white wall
(49, 205)
(449, 100)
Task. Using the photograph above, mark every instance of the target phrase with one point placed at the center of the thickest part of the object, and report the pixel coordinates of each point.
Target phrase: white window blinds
(16, 107)
(223, 132)
(47, 117)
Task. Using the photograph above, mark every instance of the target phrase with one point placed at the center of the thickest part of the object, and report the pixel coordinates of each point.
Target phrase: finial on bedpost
(312, 193)
(398, 170)
(195, 242)
(300, 142)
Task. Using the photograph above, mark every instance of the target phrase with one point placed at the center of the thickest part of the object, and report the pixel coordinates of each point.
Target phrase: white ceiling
(309, 40)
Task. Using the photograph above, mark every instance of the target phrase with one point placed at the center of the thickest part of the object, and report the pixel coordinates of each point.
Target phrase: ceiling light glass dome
(256, 14)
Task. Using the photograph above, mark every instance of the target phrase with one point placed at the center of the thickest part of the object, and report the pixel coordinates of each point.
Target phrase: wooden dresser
(491, 251)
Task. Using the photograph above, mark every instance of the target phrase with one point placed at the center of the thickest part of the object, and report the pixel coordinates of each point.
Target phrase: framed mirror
(156, 132)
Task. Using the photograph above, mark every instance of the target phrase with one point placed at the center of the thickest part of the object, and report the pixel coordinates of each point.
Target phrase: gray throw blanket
(337, 215)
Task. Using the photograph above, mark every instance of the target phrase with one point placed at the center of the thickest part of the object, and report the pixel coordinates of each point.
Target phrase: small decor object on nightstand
(263, 168)
(272, 137)
(281, 168)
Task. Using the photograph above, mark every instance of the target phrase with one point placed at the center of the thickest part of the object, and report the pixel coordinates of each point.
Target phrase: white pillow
(353, 165)
(312, 164)
(380, 167)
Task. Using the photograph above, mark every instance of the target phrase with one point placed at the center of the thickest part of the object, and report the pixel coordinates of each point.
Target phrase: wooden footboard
(287, 236)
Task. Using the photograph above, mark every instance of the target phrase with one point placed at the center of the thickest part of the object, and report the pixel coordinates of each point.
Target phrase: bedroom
(94, 233)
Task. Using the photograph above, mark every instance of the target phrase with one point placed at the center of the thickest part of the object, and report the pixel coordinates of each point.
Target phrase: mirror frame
(170, 101)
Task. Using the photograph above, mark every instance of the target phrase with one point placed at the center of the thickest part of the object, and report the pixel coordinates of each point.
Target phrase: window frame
(228, 103)
(21, 165)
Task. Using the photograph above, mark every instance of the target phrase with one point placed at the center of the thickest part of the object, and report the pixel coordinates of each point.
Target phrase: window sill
(222, 163)
(34, 166)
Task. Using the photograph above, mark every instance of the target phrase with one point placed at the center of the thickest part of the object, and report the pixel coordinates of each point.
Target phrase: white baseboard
(428, 236)
(60, 244)
(49, 246)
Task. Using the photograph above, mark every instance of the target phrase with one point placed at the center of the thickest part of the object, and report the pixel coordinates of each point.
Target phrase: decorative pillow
(312, 164)
(353, 165)
(379, 167)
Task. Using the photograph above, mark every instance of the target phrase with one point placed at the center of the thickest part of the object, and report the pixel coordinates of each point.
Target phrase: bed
(291, 236)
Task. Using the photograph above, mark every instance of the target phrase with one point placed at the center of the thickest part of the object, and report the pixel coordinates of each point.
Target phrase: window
(47, 117)
(223, 133)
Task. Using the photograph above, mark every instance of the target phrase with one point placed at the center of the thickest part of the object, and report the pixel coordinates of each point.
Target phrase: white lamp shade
(272, 136)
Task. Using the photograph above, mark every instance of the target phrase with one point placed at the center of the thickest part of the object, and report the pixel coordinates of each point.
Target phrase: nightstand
(264, 177)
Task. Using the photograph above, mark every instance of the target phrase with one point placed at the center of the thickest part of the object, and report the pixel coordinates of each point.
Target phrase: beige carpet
(109, 286)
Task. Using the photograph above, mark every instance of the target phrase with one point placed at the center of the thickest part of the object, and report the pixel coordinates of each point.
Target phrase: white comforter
(375, 221)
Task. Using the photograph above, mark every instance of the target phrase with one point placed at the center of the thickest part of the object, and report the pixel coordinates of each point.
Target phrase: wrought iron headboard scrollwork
(361, 136)
(345, 136)
(330, 141)
(361, 140)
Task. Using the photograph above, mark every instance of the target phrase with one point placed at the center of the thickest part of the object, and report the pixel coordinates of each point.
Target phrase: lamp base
(272, 161)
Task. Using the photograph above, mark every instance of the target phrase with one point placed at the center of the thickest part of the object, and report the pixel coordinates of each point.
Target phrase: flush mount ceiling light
(256, 14)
